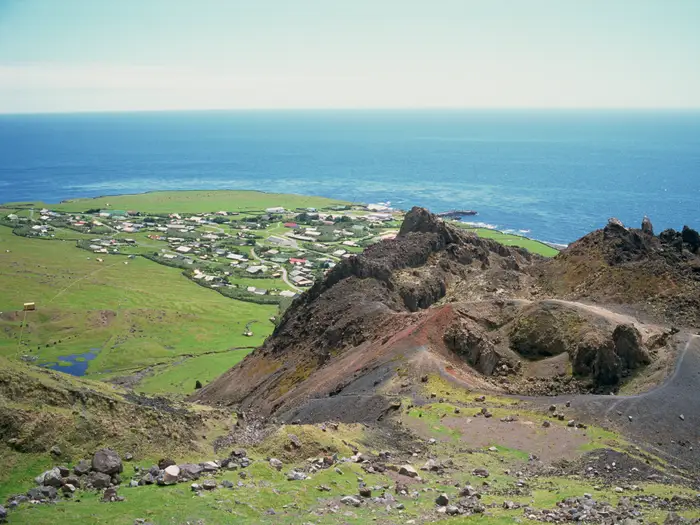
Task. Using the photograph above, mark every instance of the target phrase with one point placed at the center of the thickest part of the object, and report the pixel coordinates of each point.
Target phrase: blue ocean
(551, 175)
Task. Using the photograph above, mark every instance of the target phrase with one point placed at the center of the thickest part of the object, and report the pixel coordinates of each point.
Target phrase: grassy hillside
(135, 315)
(510, 239)
(191, 202)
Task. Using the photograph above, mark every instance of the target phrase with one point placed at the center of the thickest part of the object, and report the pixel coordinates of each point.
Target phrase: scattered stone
(65, 471)
(546, 424)
(196, 487)
(276, 463)
(480, 399)
(452, 510)
(432, 441)
(68, 488)
(323, 488)
(366, 492)
(107, 461)
(294, 441)
(128, 456)
(110, 495)
(227, 484)
(3, 513)
(493, 449)
(209, 484)
(295, 475)
(681, 417)
(481, 472)
(133, 483)
(55, 451)
(629, 417)
(552, 408)
(571, 423)
(442, 500)
(350, 500)
(619, 489)
(424, 379)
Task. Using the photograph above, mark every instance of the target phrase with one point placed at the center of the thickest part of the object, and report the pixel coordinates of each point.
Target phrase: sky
(126, 55)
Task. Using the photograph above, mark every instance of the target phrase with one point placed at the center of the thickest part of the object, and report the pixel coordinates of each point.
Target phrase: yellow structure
(29, 306)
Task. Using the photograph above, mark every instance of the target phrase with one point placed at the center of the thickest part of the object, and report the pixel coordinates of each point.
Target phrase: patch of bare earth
(549, 444)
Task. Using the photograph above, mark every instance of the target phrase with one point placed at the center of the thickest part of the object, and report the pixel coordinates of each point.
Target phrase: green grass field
(510, 239)
(137, 314)
(190, 202)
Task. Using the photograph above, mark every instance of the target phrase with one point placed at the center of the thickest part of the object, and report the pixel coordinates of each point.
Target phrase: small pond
(73, 364)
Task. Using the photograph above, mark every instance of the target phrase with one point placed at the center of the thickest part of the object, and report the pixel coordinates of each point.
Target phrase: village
(267, 256)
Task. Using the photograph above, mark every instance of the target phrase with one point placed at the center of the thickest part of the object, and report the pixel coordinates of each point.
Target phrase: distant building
(290, 225)
(277, 209)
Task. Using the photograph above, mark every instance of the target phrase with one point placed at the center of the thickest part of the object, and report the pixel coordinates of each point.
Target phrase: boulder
(48, 492)
(647, 226)
(442, 500)
(68, 488)
(110, 495)
(65, 471)
(3, 513)
(209, 484)
(82, 468)
(276, 463)
(295, 475)
(350, 500)
(56, 451)
(614, 222)
(190, 471)
(481, 472)
(107, 461)
(408, 470)
(294, 442)
(366, 492)
(209, 466)
(170, 475)
(99, 480)
(50, 478)
(148, 479)
(35, 494)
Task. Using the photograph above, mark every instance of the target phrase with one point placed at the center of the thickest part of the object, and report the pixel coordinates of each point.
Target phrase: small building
(290, 225)
(294, 260)
(287, 293)
(28, 307)
(277, 209)
(183, 249)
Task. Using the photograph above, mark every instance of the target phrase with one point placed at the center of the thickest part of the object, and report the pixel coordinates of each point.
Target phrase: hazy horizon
(77, 56)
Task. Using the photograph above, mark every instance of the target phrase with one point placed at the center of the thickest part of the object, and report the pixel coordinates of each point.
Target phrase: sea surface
(552, 175)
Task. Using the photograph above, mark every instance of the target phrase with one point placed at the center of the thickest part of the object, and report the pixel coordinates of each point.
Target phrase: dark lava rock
(691, 238)
(82, 468)
(647, 227)
(99, 480)
(165, 463)
(107, 461)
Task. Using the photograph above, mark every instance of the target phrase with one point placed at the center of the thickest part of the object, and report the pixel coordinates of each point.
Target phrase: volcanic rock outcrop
(440, 299)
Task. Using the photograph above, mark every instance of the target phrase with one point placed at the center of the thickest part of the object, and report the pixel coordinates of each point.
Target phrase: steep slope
(358, 317)
(436, 299)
